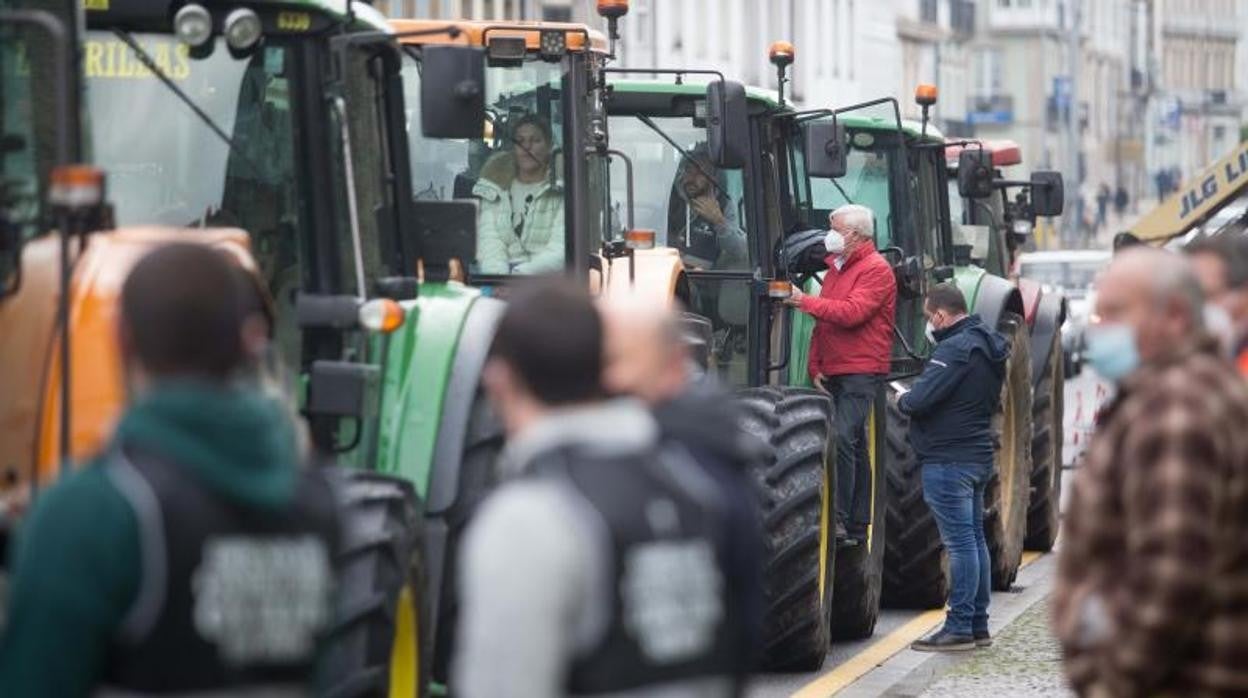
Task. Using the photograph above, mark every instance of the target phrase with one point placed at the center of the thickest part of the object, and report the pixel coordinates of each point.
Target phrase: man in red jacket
(849, 351)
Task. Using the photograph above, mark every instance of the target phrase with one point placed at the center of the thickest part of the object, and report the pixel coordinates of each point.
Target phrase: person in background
(521, 225)
(593, 569)
(1221, 266)
(648, 357)
(1154, 559)
(850, 351)
(142, 571)
(1102, 206)
(950, 409)
(1121, 199)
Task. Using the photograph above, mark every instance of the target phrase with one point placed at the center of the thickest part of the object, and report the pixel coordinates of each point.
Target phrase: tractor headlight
(193, 25)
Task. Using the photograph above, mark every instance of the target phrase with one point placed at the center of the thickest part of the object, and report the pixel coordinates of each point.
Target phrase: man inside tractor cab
(701, 220)
(850, 350)
(598, 568)
(193, 555)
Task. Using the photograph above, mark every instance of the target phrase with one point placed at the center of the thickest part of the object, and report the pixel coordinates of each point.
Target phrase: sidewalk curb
(909, 673)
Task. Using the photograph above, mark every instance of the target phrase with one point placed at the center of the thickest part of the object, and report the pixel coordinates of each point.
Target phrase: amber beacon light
(781, 53)
(925, 95)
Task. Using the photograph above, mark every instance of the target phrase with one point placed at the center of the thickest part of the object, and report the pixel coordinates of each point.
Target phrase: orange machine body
(30, 376)
(473, 33)
(656, 276)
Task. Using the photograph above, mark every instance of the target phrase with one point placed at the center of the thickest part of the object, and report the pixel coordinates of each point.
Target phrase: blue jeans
(955, 494)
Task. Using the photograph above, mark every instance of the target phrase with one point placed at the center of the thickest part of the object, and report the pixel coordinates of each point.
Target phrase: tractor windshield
(176, 170)
(514, 170)
(866, 182)
(226, 143)
(678, 193)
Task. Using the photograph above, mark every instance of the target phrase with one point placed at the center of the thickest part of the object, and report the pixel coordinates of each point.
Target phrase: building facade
(1198, 94)
(1110, 92)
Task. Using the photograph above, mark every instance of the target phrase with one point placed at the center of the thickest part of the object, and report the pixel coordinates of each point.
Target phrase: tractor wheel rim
(405, 650)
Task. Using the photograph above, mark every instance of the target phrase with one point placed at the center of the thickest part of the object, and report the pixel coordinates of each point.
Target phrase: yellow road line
(880, 651)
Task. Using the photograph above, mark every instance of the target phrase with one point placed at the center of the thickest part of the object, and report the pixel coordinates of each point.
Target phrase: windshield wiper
(684, 154)
(150, 64)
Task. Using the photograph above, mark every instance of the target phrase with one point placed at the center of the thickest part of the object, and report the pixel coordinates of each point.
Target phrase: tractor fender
(1049, 315)
(472, 351)
(1032, 292)
(988, 296)
(30, 377)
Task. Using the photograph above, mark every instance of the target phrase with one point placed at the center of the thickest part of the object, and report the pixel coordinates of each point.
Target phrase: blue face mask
(1111, 350)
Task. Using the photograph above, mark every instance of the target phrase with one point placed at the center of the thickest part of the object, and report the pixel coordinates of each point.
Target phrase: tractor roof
(473, 33)
(146, 14)
(1004, 152)
(770, 100)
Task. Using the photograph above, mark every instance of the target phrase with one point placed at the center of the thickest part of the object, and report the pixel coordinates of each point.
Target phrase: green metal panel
(968, 280)
(696, 89)
(802, 329)
(416, 372)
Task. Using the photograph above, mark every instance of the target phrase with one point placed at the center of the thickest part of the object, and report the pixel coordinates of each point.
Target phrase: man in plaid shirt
(1152, 588)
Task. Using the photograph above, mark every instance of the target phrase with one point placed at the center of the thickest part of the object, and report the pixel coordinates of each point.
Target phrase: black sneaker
(983, 639)
(944, 641)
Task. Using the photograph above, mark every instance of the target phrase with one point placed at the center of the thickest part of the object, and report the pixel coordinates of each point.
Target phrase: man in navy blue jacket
(951, 408)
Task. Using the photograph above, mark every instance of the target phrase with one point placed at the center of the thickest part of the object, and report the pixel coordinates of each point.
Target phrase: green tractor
(661, 130)
(281, 129)
(916, 568)
(993, 229)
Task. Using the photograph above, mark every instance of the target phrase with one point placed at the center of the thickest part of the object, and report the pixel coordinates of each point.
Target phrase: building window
(929, 11)
(988, 74)
(556, 14)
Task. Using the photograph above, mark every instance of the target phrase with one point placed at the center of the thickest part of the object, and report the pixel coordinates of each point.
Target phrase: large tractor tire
(1044, 510)
(374, 647)
(860, 568)
(1009, 490)
(798, 486)
(916, 566)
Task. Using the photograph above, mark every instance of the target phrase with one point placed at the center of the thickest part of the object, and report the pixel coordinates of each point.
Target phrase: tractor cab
(985, 217)
(534, 166)
(890, 173)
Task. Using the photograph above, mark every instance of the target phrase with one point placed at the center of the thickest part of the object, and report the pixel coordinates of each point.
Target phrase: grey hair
(858, 217)
(1171, 277)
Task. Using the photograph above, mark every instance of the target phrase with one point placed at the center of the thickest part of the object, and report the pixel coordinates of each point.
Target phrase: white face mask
(834, 242)
(1218, 323)
(930, 332)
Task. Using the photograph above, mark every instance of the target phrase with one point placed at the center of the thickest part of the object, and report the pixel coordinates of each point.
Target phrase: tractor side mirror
(826, 154)
(452, 92)
(727, 124)
(974, 173)
(1048, 194)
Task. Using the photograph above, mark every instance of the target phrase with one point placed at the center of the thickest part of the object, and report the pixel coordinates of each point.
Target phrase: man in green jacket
(193, 553)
